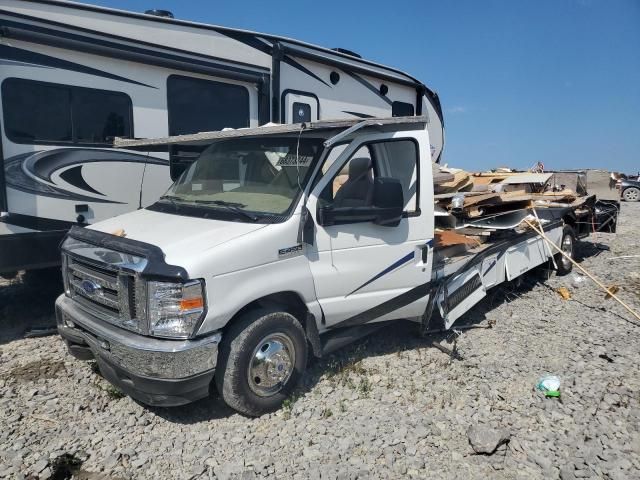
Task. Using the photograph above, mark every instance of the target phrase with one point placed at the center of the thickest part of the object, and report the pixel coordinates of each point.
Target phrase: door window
(353, 184)
(399, 159)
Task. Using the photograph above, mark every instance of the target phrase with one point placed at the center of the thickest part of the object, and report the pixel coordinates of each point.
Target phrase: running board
(339, 338)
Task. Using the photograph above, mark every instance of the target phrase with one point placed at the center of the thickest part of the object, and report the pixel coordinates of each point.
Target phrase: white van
(277, 242)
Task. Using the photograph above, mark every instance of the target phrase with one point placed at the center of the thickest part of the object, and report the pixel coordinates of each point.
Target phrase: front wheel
(567, 245)
(261, 360)
(631, 194)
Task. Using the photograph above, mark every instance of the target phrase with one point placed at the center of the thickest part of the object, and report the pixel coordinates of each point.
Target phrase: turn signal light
(191, 303)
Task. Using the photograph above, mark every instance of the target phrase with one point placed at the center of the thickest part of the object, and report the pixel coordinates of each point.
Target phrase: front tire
(567, 245)
(631, 194)
(261, 360)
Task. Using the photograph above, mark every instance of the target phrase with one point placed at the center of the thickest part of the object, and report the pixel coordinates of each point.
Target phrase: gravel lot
(390, 406)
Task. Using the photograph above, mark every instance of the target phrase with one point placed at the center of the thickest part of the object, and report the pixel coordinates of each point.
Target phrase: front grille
(104, 290)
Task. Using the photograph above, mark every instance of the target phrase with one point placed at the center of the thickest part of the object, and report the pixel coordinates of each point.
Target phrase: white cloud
(457, 109)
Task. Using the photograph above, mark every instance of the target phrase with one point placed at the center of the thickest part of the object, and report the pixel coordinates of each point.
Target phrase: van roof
(204, 138)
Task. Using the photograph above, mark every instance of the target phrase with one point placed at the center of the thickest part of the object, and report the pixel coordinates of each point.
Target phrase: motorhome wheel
(262, 357)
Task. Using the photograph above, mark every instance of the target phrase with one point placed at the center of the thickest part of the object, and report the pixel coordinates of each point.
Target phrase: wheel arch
(290, 302)
(284, 301)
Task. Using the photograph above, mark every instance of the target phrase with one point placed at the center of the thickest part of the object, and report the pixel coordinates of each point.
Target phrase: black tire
(631, 194)
(239, 351)
(567, 244)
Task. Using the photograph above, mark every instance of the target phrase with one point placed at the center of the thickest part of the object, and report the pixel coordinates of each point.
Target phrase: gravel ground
(387, 407)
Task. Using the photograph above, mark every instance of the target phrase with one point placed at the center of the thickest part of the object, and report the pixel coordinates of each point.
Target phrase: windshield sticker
(291, 160)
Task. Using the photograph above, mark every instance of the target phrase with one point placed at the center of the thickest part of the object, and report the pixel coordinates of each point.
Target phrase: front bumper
(154, 371)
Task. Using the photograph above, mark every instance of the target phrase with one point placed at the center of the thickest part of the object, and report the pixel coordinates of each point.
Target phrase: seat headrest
(358, 167)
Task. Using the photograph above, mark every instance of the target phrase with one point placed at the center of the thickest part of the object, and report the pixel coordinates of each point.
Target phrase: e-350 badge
(290, 251)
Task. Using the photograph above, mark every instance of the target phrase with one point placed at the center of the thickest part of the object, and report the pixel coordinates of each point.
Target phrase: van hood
(175, 234)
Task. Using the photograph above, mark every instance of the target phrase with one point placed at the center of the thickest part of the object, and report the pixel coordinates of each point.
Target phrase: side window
(333, 156)
(197, 105)
(353, 185)
(399, 159)
(38, 112)
(98, 116)
(402, 109)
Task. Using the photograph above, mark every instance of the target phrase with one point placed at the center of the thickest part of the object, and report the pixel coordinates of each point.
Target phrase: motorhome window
(197, 105)
(262, 176)
(99, 116)
(402, 109)
(35, 112)
(38, 112)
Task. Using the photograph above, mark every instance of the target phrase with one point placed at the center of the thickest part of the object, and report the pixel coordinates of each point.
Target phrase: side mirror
(388, 200)
(386, 211)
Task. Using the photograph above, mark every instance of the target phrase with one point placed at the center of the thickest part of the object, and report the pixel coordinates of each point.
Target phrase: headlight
(175, 309)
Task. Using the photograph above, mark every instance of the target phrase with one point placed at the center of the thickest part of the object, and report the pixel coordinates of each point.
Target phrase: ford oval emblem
(90, 287)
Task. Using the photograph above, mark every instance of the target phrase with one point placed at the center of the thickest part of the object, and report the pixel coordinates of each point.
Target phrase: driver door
(365, 272)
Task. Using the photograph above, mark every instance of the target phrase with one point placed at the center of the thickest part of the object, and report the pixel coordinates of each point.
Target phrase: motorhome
(282, 242)
(74, 76)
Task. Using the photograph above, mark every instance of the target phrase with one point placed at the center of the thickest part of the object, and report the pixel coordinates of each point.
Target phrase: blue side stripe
(407, 258)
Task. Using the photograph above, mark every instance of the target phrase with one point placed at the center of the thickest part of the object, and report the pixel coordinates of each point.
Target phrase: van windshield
(248, 178)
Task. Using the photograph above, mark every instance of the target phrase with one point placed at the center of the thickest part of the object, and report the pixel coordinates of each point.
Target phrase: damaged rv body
(281, 242)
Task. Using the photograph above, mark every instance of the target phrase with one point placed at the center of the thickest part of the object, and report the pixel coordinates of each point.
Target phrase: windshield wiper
(172, 199)
(230, 206)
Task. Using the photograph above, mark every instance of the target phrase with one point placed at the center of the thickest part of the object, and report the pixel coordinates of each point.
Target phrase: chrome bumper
(133, 353)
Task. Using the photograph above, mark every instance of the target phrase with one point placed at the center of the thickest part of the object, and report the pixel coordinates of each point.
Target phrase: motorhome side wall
(322, 90)
(58, 81)
(167, 77)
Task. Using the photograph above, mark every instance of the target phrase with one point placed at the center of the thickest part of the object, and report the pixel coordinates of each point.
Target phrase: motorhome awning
(204, 138)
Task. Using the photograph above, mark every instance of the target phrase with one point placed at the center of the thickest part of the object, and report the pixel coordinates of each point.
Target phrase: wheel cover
(272, 364)
(567, 247)
(631, 194)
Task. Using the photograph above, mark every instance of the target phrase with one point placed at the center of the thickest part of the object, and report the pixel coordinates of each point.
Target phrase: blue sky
(556, 81)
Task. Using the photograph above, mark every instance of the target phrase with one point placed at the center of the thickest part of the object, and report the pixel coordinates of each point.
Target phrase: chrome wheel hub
(271, 364)
(567, 247)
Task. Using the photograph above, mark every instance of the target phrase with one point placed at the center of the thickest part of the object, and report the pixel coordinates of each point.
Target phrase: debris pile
(469, 207)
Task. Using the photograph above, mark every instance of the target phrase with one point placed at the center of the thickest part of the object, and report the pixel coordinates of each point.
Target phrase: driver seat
(357, 191)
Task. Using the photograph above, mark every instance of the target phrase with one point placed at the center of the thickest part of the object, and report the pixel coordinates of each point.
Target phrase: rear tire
(567, 244)
(261, 360)
(631, 194)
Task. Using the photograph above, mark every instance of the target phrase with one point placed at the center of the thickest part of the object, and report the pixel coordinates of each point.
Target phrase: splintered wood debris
(470, 207)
